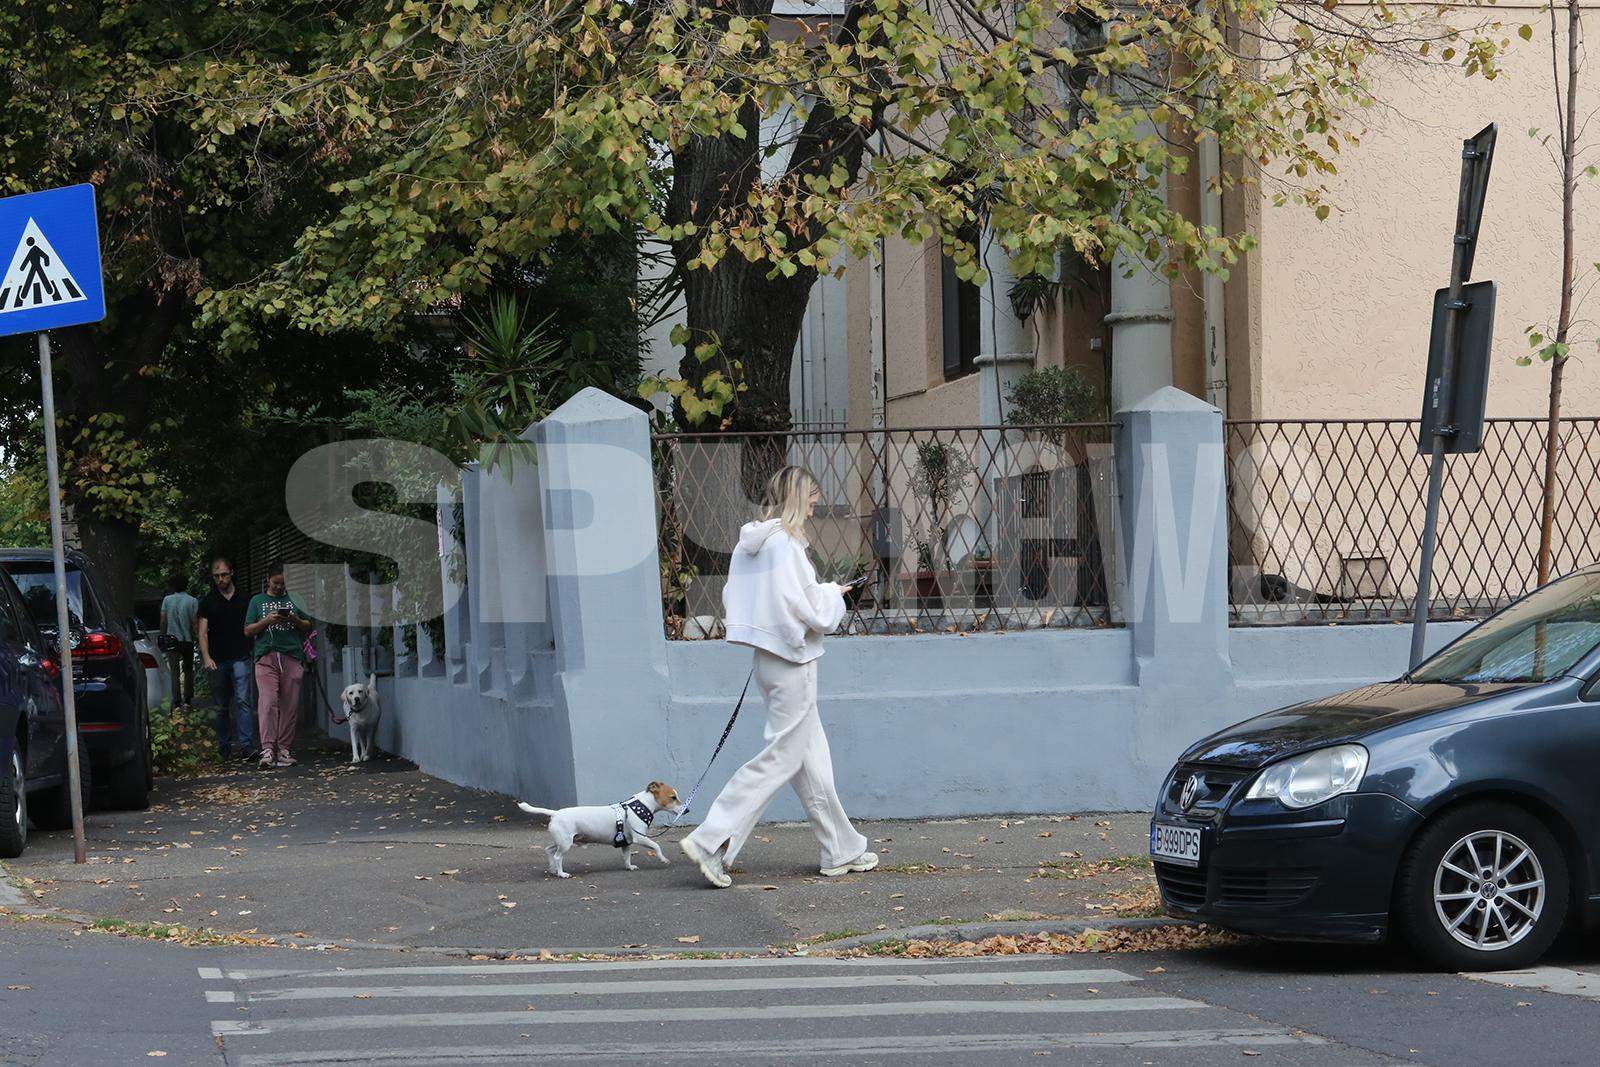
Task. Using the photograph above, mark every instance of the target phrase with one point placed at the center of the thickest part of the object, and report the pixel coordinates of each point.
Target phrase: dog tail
(531, 810)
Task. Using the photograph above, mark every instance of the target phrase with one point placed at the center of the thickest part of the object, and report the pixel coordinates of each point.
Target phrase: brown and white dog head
(665, 796)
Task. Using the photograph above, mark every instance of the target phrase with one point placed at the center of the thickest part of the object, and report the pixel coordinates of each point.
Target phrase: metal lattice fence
(1325, 517)
(972, 528)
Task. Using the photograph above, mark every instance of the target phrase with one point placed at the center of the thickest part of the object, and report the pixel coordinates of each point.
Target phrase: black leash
(726, 730)
(317, 684)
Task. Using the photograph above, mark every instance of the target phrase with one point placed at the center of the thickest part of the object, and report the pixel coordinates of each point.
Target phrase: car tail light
(50, 667)
(97, 644)
(147, 661)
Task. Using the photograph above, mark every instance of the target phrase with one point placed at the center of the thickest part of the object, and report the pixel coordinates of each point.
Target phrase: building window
(960, 302)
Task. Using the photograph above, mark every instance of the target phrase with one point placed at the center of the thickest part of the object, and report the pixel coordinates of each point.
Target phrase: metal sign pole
(63, 615)
(1476, 153)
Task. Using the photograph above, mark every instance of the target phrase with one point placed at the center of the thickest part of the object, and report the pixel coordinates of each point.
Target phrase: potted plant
(982, 565)
(938, 479)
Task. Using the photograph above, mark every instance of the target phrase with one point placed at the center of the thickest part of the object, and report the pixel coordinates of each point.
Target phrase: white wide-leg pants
(796, 754)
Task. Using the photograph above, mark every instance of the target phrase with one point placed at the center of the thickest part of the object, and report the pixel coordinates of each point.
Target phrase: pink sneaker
(284, 759)
(266, 758)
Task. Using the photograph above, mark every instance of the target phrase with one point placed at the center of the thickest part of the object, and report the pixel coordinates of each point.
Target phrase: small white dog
(623, 825)
(361, 708)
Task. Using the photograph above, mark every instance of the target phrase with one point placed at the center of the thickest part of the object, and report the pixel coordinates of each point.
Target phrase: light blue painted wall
(925, 725)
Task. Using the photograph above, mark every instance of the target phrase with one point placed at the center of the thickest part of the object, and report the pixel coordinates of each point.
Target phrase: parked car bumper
(107, 722)
(1324, 874)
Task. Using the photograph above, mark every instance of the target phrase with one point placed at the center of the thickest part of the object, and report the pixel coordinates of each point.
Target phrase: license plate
(1175, 844)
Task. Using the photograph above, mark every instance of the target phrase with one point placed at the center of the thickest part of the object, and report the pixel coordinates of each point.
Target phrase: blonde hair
(788, 499)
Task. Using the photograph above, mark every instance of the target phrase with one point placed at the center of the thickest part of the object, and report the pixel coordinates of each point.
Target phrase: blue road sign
(50, 249)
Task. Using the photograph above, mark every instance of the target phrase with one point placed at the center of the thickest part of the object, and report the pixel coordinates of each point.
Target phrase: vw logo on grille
(1191, 791)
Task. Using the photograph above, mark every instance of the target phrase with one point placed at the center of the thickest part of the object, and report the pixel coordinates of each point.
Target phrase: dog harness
(639, 808)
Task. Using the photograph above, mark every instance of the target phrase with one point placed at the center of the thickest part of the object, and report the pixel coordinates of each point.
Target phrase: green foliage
(464, 136)
(24, 510)
(713, 395)
(508, 378)
(184, 742)
(1053, 395)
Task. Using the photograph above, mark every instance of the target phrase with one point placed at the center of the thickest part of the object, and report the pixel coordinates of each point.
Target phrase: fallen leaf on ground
(692, 939)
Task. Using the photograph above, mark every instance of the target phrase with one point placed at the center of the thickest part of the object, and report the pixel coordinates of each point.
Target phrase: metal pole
(1443, 400)
(63, 616)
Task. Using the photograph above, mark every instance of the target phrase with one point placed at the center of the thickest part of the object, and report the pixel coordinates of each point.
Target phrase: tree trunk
(1569, 176)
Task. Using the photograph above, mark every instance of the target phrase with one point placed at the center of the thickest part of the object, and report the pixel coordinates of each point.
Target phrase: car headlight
(1312, 778)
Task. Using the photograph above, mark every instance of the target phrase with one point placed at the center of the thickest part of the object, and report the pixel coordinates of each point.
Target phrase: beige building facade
(1323, 320)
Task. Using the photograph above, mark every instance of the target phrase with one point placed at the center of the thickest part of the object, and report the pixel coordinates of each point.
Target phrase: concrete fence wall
(584, 700)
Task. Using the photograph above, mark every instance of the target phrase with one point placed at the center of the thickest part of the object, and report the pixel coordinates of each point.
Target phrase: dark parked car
(1458, 806)
(33, 729)
(108, 681)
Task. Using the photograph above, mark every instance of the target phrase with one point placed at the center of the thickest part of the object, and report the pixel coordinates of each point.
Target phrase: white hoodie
(773, 600)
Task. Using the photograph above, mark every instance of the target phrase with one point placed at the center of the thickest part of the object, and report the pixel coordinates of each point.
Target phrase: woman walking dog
(774, 603)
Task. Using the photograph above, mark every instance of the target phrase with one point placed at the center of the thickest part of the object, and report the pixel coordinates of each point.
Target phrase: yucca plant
(507, 381)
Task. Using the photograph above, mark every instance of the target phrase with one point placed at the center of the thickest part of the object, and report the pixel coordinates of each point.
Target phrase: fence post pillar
(1173, 539)
(452, 573)
(479, 635)
(599, 518)
(513, 549)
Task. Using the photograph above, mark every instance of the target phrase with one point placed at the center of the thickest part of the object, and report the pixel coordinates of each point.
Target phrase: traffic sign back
(50, 246)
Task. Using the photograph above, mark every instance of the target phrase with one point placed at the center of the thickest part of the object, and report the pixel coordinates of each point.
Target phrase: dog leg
(654, 847)
(556, 854)
(355, 744)
(627, 859)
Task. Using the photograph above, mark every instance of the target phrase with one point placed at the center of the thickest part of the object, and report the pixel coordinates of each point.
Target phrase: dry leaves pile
(1154, 939)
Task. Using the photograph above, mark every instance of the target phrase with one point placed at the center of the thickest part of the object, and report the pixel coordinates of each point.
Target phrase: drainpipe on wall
(1140, 320)
(1211, 291)
(1006, 354)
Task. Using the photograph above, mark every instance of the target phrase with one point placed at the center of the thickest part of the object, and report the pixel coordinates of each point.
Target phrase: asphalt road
(79, 998)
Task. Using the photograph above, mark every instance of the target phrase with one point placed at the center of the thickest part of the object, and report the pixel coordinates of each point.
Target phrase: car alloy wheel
(19, 790)
(1489, 890)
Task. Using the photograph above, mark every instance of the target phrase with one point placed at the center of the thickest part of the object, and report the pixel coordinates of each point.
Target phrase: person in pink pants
(278, 623)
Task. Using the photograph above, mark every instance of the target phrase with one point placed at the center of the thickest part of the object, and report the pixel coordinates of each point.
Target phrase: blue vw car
(1456, 807)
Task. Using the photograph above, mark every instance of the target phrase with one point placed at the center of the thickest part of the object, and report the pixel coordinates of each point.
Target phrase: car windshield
(37, 583)
(1538, 638)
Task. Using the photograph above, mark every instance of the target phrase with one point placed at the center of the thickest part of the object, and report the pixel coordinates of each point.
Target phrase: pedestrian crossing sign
(50, 249)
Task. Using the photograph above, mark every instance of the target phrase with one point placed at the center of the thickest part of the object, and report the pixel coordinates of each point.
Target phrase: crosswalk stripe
(1563, 980)
(804, 1048)
(577, 966)
(709, 1014)
(671, 986)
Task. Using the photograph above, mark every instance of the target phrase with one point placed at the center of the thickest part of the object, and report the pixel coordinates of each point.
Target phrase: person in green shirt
(277, 622)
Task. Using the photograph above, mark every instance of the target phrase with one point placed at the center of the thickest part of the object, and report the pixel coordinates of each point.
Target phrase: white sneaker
(710, 866)
(864, 862)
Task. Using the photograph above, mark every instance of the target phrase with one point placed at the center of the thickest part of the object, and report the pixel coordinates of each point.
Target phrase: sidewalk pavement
(384, 855)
